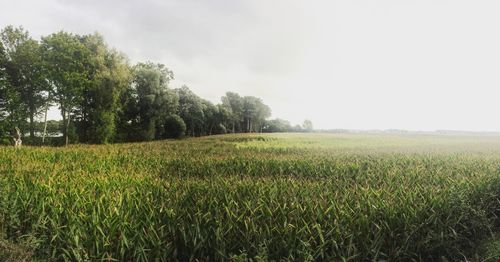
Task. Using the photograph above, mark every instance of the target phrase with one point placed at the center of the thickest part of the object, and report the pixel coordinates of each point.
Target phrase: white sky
(364, 64)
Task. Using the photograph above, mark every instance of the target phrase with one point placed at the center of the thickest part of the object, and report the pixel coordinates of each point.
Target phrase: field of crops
(323, 197)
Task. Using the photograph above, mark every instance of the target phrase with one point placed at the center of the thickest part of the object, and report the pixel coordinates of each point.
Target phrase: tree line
(102, 98)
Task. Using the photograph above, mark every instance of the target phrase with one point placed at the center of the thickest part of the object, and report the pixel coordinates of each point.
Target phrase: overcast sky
(360, 64)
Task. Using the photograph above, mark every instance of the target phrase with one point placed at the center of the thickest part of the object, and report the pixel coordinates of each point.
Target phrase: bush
(174, 127)
(5, 141)
(220, 129)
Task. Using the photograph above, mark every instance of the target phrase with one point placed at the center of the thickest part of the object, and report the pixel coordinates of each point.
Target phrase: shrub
(220, 129)
(174, 127)
(5, 141)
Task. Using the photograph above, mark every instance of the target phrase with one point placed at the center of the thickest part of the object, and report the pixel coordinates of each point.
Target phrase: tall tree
(307, 125)
(254, 113)
(14, 110)
(169, 105)
(263, 111)
(3, 82)
(154, 99)
(190, 109)
(109, 76)
(34, 91)
(249, 112)
(127, 117)
(4, 88)
(210, 117)
(223, 118)
(22, 63)
(66, 61)
(234, 103)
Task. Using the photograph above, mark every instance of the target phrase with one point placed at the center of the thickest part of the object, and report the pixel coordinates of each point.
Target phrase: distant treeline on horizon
(103, 99)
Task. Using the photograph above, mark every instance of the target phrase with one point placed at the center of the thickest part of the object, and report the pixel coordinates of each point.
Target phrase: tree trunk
(192, 129)
(63, 113)
(32, 109)
(67, 127)
(17, 138)
(32, 126)
(45, 123)
(84, 127)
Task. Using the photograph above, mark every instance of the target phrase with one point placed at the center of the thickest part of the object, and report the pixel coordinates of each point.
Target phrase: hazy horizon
(426, 65)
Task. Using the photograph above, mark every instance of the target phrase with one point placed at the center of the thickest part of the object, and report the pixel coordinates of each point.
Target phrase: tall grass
(238, 197)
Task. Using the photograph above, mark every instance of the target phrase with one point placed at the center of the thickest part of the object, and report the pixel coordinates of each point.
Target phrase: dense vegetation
(102, 98)
(300, 197)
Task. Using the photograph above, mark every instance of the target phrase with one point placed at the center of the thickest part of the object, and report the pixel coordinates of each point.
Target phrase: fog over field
(418, 65)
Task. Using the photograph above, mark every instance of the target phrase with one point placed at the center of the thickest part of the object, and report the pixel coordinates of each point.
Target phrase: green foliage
(110, 76)
(5, 141)
(307, 126)
(245, 114)
(174, 127)
(68, 72)
(254, 113)
(210, 118)
(10, 252)
(487, 250)
(154, 100)
(220, 129)
(4, 89)
(277, 125)
(102, 99)
(191, 109)
(22, 79)
(269, 197)
(23, 89)
(234, 105)
(127, 117)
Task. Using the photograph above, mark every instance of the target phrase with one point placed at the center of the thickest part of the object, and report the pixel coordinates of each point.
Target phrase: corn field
(316, 197)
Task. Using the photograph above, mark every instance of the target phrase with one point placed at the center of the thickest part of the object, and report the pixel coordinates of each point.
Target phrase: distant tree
(263, 112)
(277, 125)
(4, 89)
(68, 72)
(234, 104)
(110, 76)
(174, 127)
(254, 113)
(127, 117)
(307, 126)
(223, 118)
(249, 112)
(53, 127)
(211, 118)
(296, 128)
(190, 109)
(169, 105)
(154, 99)
(220, 129)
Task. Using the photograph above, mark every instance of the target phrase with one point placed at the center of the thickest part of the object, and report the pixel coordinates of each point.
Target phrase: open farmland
(326, 197)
